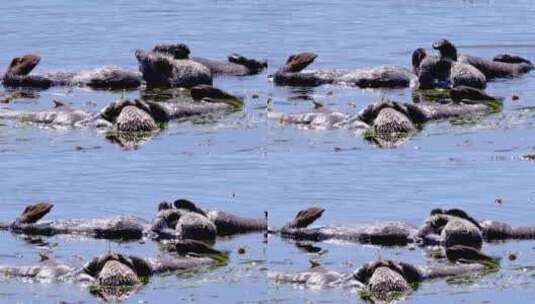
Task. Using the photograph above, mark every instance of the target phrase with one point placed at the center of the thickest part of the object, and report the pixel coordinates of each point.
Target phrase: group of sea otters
(447, 84)
(189, 231)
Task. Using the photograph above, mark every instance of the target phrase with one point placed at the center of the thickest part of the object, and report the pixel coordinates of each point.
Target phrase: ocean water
(244, 163)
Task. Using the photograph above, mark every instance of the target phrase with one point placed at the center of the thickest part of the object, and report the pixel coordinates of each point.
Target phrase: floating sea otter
(443, 227)
(183, 221)
(110, 276)
(450, 69)
(385, 281)
(17, 75)
(235, 65)
(389, 124)
(291, 74)
(131, 122)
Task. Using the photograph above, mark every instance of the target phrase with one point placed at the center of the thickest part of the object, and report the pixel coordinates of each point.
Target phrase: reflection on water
(245, 164)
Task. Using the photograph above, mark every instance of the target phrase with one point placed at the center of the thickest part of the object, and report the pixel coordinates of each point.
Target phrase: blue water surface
(245, 164)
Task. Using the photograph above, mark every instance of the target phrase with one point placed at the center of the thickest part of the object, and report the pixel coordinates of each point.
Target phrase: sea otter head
(156, 67)
(446, 48)
(417, 57)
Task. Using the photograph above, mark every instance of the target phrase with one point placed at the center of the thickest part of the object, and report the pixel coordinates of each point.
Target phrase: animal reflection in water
(131, 123)
(389, 124)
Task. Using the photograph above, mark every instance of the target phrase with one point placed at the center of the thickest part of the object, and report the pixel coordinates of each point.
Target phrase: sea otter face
(446, 48)
(157, 68)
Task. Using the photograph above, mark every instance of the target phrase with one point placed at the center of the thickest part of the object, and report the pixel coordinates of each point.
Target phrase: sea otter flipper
(297, 62)
(33, 213)
(306, 217)
(508, 58)
(22, 66)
